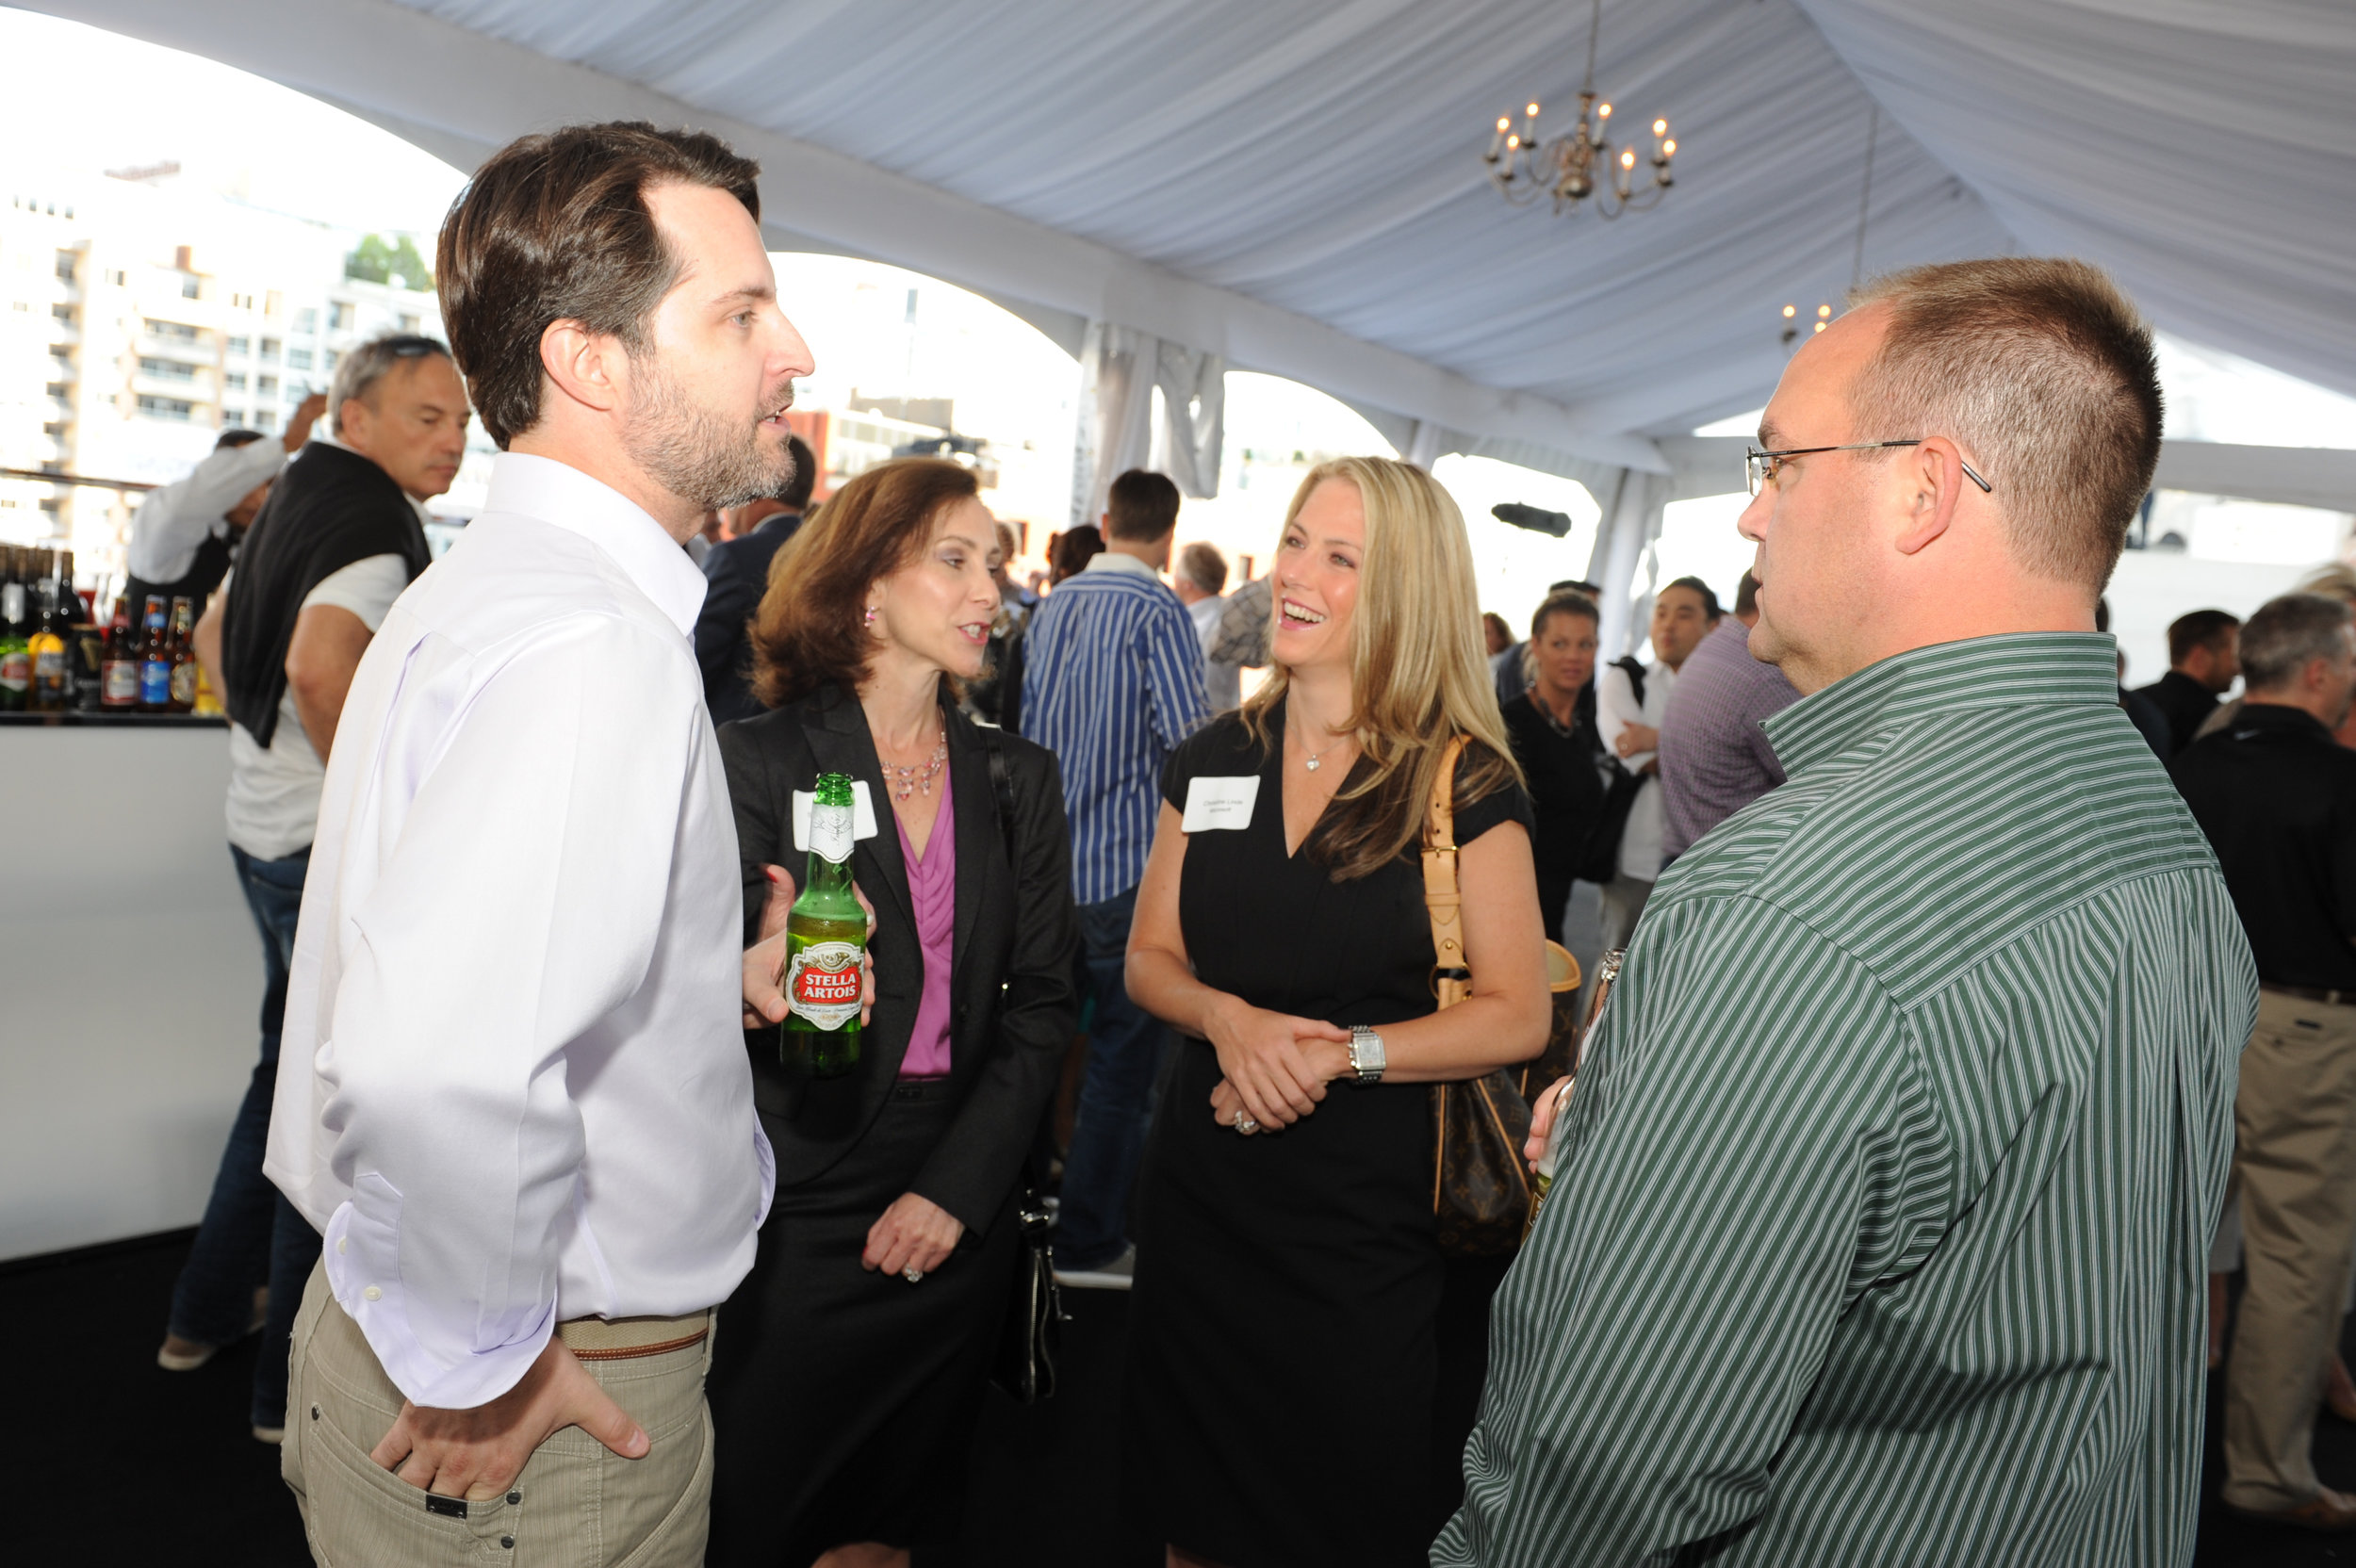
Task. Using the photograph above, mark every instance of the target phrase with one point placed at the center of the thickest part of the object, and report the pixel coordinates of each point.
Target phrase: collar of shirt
(326, 437)
(2253, 717)
(2016, 670)
(1118, 561)
(563, 497)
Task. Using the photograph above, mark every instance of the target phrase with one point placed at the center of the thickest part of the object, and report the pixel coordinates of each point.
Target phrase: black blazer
(736, 574)
(1013, 1006)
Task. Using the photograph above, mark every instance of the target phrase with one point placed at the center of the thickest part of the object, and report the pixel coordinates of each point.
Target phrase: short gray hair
(361, 368)
(2286, 632)
(1203, 567)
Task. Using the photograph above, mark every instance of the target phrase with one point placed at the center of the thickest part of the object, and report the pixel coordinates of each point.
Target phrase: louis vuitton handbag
(1482, 1192)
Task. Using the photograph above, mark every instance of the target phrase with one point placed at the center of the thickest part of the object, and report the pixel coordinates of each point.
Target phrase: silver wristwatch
(1366, 1055)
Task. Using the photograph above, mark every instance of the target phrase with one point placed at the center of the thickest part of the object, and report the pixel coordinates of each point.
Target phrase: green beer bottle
(825, 937)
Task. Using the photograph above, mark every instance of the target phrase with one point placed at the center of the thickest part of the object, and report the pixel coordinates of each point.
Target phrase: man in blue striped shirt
(1112, 682)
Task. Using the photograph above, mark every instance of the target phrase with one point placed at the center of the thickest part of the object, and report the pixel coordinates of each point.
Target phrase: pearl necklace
(905, 783)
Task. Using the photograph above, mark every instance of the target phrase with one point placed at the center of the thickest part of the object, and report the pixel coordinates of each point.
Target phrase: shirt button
(343, 1245)
(374, 1294)
(508, 1541)
(514, 1497)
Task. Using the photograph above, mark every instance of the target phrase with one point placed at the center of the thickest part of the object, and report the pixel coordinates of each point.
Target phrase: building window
(234, 381)
(167, 370)
(165, 408)
(240, 345)
(54, 429)
(190, 286)
(62, 313)
(241, 302)
(57, 389)
(328, 359)
(66, 260)
(306, 320)
(171, 332)
(298, 359)
(339, 315)
(269, 348)
(265, 418)
(265, 386)
(117, 276)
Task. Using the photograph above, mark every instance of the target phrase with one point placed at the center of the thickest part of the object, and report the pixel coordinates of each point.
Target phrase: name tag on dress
(1217, 803)
(862, 814)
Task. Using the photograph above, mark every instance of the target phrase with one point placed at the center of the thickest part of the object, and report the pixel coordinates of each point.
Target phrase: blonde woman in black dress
(1283, 1403)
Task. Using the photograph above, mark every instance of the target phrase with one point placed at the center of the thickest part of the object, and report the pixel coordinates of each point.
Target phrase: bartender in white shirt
(1683, 614)
(513, 1094)
(185, 532)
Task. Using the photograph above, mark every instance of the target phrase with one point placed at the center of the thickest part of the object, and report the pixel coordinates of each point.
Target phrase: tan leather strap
(629, 1338)
(1443, 897)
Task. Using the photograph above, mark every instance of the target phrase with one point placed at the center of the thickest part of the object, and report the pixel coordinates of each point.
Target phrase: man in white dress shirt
(1682, 615)
(513, 1094)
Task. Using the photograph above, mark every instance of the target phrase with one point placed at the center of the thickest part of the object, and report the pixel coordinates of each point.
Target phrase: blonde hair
(1417, 671)
(2337, 580)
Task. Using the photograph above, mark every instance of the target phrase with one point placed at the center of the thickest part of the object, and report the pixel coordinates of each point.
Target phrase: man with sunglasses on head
(1882, 1202)
(336, 544)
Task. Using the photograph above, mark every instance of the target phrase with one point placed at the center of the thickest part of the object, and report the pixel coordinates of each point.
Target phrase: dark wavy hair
(811, 628)
(555, 227)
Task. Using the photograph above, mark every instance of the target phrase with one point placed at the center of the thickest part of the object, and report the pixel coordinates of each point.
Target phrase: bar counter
(130, 976)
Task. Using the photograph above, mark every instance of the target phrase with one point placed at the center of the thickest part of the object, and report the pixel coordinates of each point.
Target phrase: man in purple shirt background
(1714, 758)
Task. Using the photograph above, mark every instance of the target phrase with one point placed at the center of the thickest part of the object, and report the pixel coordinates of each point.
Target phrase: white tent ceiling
(1294, 183)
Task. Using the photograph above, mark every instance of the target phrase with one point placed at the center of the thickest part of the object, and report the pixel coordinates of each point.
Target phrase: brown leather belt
(628, 1338)
(2310, 993)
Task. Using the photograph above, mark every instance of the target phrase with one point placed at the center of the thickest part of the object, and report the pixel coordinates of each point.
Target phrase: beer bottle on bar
(16, 657)
(826, 938)
(47, 647)
(155, 659)
(119, 671)
(183, 656)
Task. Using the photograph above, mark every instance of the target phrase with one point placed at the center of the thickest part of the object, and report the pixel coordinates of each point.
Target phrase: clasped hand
(1276, 1065)
(764, 961)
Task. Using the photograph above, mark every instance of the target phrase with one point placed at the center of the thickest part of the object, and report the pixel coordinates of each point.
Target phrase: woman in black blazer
(847, 1375)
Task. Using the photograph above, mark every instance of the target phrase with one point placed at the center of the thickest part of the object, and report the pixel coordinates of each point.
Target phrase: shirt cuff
(362, 1255)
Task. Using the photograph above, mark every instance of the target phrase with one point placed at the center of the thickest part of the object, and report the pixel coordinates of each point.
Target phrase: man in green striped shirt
(1884, 1195)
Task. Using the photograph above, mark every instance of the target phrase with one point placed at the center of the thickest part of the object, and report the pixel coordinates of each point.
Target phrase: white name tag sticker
(1215, 803)
(862, 814)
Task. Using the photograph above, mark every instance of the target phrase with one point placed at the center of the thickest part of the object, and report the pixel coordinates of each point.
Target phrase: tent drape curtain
(1120, 367)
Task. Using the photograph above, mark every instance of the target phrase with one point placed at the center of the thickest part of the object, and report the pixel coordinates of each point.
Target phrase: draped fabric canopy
(1294, 185)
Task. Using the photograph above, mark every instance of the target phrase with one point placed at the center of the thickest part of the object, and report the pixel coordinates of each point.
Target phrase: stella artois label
(830, 833)
(821, 981)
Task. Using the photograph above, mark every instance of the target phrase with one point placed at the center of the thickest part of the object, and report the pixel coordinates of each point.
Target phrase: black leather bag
(1028, 1345)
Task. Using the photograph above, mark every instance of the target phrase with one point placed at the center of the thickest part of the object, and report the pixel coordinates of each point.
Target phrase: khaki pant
(577, 1504)
(2295, 1160)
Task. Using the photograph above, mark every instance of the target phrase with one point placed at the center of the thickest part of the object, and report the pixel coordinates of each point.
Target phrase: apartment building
(142, 319)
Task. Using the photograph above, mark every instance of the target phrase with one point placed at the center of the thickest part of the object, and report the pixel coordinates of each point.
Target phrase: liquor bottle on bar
(155, 659)
(119, 671)
(826, 938)
(16, 658)
(47, 647)
(183, 656)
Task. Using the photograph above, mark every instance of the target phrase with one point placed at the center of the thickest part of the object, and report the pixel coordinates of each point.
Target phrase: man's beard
(696, 453)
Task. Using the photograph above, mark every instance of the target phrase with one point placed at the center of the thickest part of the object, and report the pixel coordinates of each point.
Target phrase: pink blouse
(933, 895)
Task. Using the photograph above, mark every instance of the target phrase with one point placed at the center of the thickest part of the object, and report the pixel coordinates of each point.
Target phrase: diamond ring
(911, 1274)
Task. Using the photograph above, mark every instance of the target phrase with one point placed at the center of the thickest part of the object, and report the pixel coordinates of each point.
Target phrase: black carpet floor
(116, 1461)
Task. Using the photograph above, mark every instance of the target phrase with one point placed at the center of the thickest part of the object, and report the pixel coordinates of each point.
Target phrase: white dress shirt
(173, 521)
(514, 1087)
(1222, 683)
(1616, 709)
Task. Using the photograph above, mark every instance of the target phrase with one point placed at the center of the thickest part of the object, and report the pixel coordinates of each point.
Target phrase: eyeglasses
(1760, 468)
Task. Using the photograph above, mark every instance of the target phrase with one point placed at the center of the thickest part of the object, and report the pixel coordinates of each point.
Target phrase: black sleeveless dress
(1291, 1400)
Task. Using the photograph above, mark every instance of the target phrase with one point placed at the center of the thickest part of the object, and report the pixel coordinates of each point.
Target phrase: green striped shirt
(1881, 1225)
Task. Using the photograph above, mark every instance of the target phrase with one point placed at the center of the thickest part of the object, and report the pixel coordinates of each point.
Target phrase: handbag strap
(1452, 980)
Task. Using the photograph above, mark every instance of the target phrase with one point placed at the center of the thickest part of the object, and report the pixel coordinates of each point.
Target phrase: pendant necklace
(1315, 756)
(906, 782)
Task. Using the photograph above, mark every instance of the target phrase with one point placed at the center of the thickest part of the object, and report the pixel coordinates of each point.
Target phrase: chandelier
(1580, 162)
(1856, 262)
